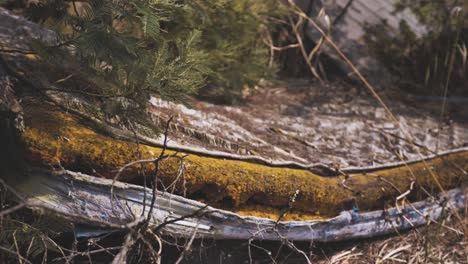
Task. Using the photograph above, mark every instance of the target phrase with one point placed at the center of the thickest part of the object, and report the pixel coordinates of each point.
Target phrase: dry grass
(430, 244)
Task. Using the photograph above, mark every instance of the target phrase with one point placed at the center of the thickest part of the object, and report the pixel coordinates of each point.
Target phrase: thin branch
(343, 12)
(302, 48)
(187, 246)
(10, 210)
(155, 178)
(197, 213)
(14, 253)
(24, 52)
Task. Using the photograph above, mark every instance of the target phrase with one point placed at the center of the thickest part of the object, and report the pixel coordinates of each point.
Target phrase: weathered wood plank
(86, 199)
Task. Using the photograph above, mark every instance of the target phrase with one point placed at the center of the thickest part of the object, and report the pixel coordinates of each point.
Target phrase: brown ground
(336, 124)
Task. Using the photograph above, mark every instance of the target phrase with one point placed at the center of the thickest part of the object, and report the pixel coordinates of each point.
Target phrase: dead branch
(155, 178)
(139, 228)
(302, 48)
(20, 258)
(217, 223)
(187, 246)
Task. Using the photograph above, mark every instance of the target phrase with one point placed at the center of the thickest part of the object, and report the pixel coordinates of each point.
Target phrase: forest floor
(435, 243)
(339, 125)
(333, 124)
(309, 122)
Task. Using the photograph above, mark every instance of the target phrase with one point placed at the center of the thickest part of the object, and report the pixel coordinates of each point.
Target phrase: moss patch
(55, 137)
